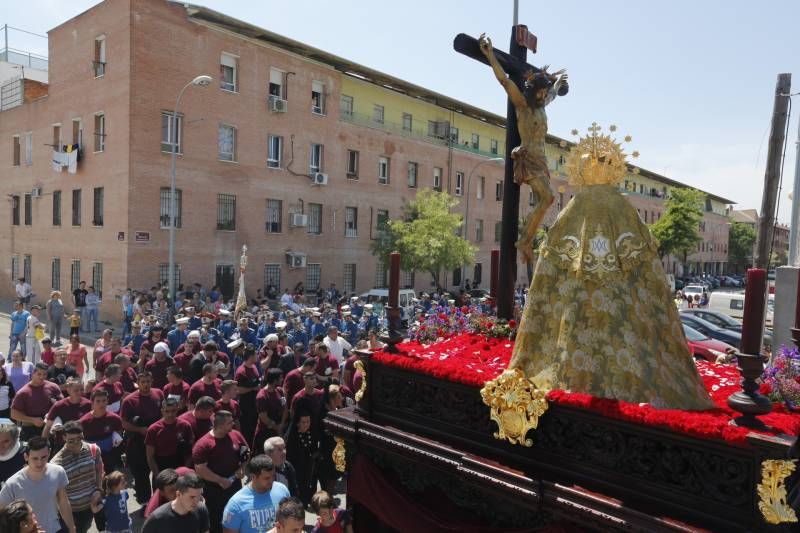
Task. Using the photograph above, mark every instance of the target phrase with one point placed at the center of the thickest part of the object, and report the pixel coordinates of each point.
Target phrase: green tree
(741, 237)
(678, 230)
(426, 237)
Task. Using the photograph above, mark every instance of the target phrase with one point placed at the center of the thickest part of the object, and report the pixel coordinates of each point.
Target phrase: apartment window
(407, 121)
(383, 170)
(476, 141)
(227, 142)
(28, 148)
(377, 114)
(55, 274)
(349, 282)
(166, 207)
(226, 212)
(315, 159)
(163, 274)
(97, 207)
(227, 72)
(437, 178)
(276, 85)
(26, 268)
(438, 129)
(77, 132)
(317, 97)
(454, 135)
(477, 274)
(56, 136)
(274, 215)
(97, 278)
(381, 279)
(346, 106)
(459, 188)
(498, 191)
(274, 151)
(74, 274)
(272, 277)
(412, 174)
(479, 230)
(16, 150)
(99, 132)
(493, 146)
(171, 133)
(313, 276)
(351, 222)
(56, 208)
(15, 210)
(480, 188)
(382, 222)
(15, 267)
(99, 62)
(352, 164)
(498, 229)
(28, 208)
(314, 219)
(407, 280)
(76, 207)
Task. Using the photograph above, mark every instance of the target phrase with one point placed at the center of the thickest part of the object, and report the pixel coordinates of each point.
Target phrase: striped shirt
(81, 468)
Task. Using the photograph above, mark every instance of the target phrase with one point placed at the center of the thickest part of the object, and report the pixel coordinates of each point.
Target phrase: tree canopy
(741, 238)
(427, 236)
(678, 230)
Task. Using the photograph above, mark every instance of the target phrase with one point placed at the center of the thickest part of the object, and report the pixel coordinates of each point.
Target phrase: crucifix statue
(529, 90)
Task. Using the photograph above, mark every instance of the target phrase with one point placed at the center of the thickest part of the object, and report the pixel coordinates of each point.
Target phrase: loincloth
(529, 167)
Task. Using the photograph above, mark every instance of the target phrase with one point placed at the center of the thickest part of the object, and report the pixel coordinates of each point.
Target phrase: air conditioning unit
(319, 178)
(36, 192)
(299, 220)
(295, 260)
(278, 105)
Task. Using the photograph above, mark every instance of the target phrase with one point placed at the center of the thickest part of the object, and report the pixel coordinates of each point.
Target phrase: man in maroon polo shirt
(33, 401)
(272, 409)
(327, 365)
(199, 418)
(159, 364)
(293, 382)
(127, 375)
(218, 457)
(176, 387)
(228, 402)
(107, 358)
(187, 350)
(209, 385)
(310, 398)
(73, 407)
(139, 410)
(113, 387)
(104, 428)
(247, 381)
(169, 441)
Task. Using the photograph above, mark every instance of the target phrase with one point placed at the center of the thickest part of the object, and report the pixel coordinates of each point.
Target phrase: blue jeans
(84, 319)
(13, 341)
(91, 319)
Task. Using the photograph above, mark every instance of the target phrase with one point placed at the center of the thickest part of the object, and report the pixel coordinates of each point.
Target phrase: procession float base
(423, 454)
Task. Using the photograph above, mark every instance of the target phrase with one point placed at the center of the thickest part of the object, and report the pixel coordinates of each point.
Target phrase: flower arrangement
(443, 323)
(781, 378)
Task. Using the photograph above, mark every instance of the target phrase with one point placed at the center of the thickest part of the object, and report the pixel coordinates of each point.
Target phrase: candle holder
(749, 401)
(395, 334)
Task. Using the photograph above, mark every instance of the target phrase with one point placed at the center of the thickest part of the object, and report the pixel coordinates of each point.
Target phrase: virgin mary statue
(600, 317)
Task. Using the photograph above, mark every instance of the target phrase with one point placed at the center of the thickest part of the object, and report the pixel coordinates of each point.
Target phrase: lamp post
(466, 207)
(199, 81)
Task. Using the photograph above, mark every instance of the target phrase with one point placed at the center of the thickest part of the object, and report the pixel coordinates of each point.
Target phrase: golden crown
(597, 159)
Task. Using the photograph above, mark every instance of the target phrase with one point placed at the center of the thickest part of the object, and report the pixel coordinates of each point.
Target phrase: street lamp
(199, 81)
(466, 207)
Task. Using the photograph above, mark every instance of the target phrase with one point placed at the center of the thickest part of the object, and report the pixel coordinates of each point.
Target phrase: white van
(380, 299)
(732, 304)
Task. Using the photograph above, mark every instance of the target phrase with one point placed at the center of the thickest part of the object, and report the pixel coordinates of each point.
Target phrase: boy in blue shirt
(253, 508)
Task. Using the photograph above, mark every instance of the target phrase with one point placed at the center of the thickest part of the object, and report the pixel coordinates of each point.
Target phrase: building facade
(299, 154)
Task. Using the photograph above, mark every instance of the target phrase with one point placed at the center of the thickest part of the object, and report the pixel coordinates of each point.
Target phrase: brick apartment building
(297, 153)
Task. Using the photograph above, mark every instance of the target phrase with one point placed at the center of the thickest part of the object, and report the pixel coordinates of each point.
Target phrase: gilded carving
(772, 491)
(338, 455)
(515, 404)
(363, 388)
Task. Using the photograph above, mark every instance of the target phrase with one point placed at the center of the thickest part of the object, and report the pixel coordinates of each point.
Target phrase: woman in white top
(6, 393)
(18, 370)
(34, 333)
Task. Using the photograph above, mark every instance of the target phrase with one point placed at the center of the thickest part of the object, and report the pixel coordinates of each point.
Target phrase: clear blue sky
(691, 81)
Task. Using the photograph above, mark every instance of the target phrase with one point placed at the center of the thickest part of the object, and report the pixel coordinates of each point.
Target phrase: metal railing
(23, 58)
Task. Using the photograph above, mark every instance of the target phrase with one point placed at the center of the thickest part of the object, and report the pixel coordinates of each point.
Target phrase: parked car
(694, 288)
(724, 321)
(704, 347)
(732, 303)
(710, 330)
(380, 299)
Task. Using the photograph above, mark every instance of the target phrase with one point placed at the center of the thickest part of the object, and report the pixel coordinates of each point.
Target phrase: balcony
(23, 58)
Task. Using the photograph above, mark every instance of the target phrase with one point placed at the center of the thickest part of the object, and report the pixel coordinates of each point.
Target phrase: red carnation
(765, 388)
(442, 316)
(465, 309)
(512, 323)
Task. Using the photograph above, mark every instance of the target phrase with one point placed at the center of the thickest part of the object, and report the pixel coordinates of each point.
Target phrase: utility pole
(794, 228)
(766, 223)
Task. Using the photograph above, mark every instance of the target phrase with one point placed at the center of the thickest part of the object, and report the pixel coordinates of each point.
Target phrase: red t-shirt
(36, 401)
(325, 363)
(199, 426)
(349, 364)
(165, 438)
(100, 427)
(146, 406)
(247, 376)
(156, 500)
(159, 370)
(312, 402)
(67, 411)
(200, 389)
(221, 456)
(48, 356)
(115, 391)
(182, 361)
(272, 403)
(233, 407)
(293, 383)
(181, 389)
(128, 379)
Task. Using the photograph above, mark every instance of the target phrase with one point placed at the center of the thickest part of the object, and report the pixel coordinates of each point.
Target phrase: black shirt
(59, 375)
(79, 296)
(166, 519)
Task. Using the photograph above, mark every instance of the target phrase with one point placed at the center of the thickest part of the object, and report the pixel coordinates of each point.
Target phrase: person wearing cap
(158, 365)
(34, 331)
(186, 351)
(236, 349)
(226, 325)
(269, 354)
(194, 321)
(350, 327)
(177, 336)
(356, 309)
(266, 326)
(293, 381)
(244, 332)
(297, 334)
